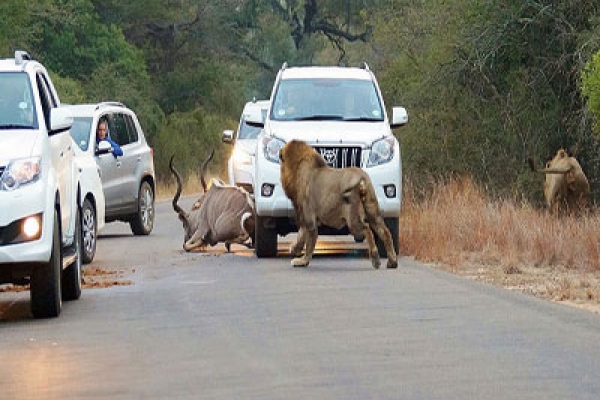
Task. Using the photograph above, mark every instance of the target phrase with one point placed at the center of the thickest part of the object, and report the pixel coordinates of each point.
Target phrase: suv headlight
(271, 147)
(20, 172)
(382, 151)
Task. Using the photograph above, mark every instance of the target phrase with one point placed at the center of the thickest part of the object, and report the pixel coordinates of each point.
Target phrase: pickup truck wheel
(89, 232)
(45, 291)
(143, 220)
(265, 239)
(71, 276)
(392, 224)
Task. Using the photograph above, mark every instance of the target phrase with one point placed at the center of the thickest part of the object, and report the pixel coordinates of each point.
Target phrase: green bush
(190, 136)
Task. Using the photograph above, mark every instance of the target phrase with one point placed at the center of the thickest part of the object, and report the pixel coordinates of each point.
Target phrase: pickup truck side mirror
(61, 120)
(399, 117)
(103, 148)
(227, 136)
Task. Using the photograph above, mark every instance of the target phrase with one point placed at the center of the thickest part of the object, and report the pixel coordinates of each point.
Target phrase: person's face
(101, 131)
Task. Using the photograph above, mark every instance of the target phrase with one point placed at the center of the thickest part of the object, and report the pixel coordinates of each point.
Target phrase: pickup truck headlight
(382, 151)
(20, 172)
(271, 147)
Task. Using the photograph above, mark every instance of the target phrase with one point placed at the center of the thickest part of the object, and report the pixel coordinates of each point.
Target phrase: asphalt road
(228, 326)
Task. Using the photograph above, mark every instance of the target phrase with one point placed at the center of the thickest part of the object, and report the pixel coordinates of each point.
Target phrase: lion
(337, 198)
(566, 188)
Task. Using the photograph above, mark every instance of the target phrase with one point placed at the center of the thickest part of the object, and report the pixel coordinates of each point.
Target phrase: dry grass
(458, 228)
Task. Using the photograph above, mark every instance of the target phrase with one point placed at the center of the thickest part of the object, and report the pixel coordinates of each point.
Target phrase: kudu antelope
(221, 214)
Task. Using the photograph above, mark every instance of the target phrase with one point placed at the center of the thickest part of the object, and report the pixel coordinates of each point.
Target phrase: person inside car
(115, 149)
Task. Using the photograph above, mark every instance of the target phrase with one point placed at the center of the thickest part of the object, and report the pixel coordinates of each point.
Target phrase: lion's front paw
(392, 264)
(296, 251)
(300, 262)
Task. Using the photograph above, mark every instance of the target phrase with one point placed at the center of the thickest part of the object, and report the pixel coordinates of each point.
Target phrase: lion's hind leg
(373, 253)
(386, 237)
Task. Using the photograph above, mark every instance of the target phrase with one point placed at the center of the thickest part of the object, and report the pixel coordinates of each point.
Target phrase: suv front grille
(340, 157)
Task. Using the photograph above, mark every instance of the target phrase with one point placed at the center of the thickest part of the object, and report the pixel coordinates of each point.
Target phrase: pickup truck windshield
(326, 100)
(17, 110)
(247, 131)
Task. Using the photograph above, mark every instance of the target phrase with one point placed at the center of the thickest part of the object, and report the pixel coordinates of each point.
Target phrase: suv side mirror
(103, 147)
(399, 117)
(255, 118)
(227, 136)
(60, 120)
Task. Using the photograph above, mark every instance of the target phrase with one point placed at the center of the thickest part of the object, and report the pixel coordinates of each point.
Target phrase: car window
(326, 99)
(80, 132)
(17, 109)
(131, 129)
(45, 98)
(118, 129)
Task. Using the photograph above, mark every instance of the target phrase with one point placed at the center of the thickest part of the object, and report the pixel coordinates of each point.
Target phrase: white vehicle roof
(89, 110)
(260, 104)
(10, 65)
(325, 72)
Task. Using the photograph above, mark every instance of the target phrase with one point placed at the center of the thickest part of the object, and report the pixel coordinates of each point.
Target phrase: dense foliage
(486, 83)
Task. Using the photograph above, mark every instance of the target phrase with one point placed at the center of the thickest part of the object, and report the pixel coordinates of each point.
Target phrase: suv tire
(265, 239)
(46, 300)
(392, 224)
(143, 221)
(71, 276)
(89, 232)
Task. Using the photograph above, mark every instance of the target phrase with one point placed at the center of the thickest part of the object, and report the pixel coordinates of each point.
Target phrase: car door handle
(118, 164)
(139, 159)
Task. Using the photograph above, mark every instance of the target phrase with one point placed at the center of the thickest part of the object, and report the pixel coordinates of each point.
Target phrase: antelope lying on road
(221, 214)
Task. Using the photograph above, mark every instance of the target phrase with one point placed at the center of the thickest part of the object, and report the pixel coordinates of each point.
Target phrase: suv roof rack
(21, 56)
(284, 66)
(365, 66)
(110, 103)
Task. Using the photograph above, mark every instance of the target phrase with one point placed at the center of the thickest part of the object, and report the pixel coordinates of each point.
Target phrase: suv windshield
(326, 99)
(16, 102)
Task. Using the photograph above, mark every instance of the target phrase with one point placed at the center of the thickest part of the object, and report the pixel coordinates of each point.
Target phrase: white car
(340, 112)
(91, 202)
(40, 224)
(240, 166)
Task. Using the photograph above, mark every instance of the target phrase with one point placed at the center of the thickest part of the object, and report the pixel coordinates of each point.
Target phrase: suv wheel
(392, 225)
(143, 220)
(265, 239)
(71, 276)
(45, 289)
(89, 232)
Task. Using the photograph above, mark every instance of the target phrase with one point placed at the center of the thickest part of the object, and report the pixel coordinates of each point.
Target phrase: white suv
(340, 112)
(40, 227)
(240, 166)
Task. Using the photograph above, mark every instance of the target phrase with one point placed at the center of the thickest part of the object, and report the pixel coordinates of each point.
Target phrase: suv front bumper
(16, 206)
